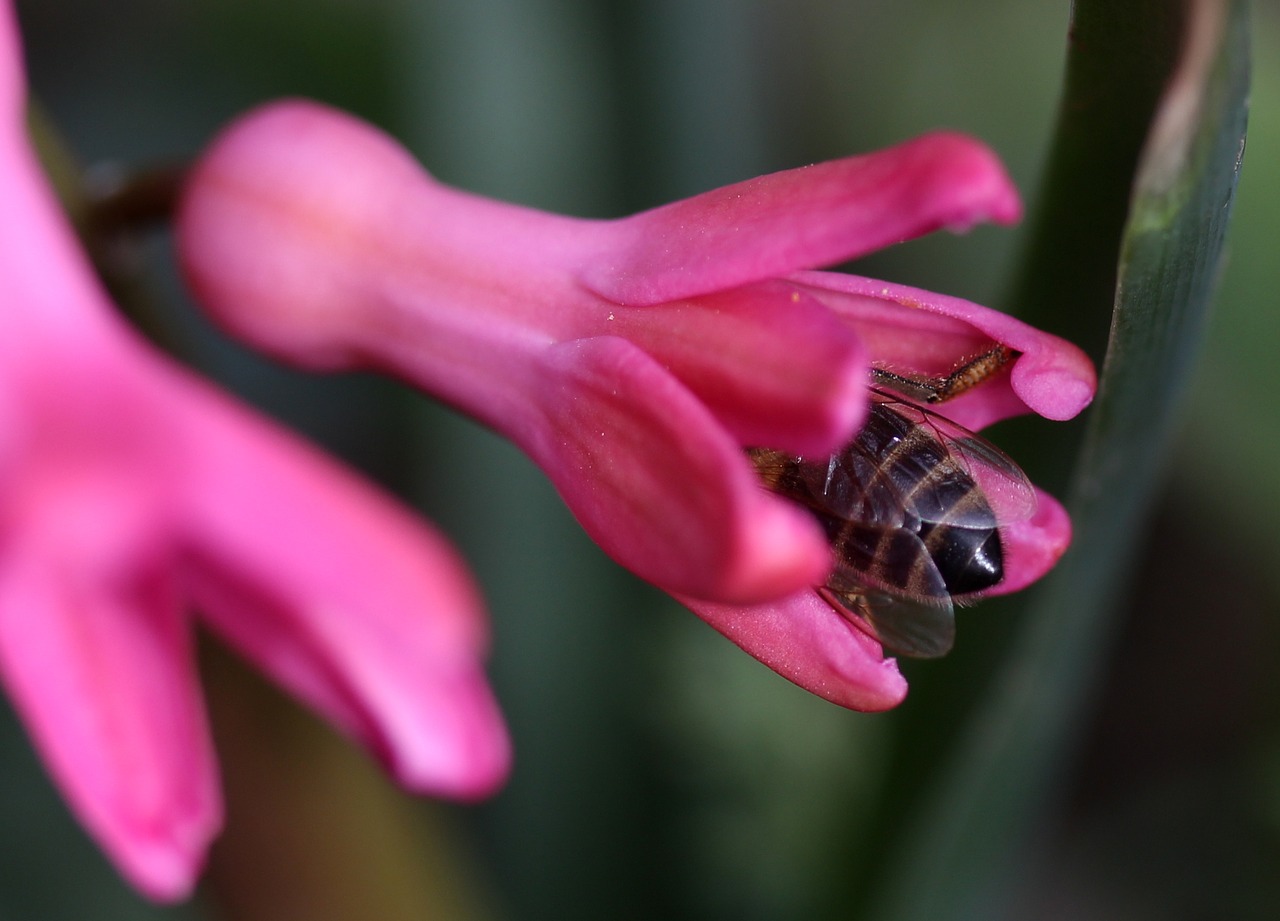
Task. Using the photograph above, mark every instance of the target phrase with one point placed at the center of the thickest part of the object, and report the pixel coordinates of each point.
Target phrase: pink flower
(634, 358)
(130, 490)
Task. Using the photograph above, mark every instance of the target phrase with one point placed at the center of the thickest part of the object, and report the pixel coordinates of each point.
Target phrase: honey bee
(913, 508)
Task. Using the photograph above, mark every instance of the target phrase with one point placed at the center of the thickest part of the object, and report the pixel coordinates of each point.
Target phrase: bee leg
(968, 374)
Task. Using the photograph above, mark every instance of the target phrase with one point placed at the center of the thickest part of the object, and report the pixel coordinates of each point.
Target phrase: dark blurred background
(660, 772)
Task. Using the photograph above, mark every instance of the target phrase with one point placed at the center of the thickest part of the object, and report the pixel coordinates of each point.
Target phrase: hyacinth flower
(634, 359)
(133, 495)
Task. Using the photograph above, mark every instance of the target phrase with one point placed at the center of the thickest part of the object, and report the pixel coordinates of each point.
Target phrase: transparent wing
(840, 488)
(903, 626)
(892, 561)
(1008, 493)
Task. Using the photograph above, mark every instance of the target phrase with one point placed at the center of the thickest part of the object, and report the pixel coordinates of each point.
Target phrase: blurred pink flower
(129, 490)
(632, 358)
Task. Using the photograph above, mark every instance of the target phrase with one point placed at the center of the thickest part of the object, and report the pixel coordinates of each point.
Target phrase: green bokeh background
(660, 772)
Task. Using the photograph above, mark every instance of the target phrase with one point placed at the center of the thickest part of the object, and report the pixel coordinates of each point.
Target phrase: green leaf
(963, 837)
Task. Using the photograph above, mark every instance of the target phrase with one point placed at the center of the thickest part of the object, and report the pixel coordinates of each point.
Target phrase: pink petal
(805, 641)
(1034, 546)
(660, 487)
(912, 330)
(801, 219)
(129, 485)
(345, 598)
(737, 351)
(100, 667)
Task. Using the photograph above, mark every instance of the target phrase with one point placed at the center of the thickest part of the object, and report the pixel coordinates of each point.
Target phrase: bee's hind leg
(968, 374)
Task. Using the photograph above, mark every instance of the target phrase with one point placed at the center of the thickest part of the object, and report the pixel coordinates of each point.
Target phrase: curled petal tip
(164, 869)
(466, 752)
(967, 179)
(887, 691)
(861, 677)
(1056, 393)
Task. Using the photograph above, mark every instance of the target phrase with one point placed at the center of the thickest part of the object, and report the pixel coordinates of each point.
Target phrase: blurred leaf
(1118, 59)
(968, 840)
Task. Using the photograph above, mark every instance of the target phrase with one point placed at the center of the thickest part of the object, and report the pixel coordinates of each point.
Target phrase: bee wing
(893, 561)
(835, 488)
(902, 626)
(1009, 494)
(1006, 488)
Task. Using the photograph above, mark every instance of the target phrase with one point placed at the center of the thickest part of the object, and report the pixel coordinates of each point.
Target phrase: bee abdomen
(968, 559)
(938, 494)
